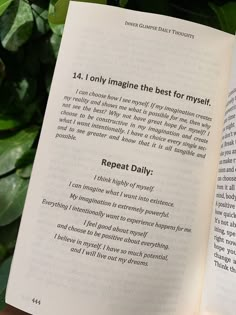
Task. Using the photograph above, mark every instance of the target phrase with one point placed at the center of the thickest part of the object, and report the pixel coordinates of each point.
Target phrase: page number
(36, 301)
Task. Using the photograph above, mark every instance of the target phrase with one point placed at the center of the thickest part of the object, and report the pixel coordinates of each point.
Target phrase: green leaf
(60, 10)
(48, 77)
(32, 59)
(226, 15)
(4, 5)
(123, 3)
(8, 235)
(19, 101)
(2, 300)
(12, 197)
(55, 42)
(50, 48)
(26, 159)
(160, 6)
(12, 148)
(26, 89)
(8, 123)
(16, 25)
(40, 13)
(25, 163)
(8, 95)
(3, 252)
(4, 274)
(2, 70)
(56, 28)
(198, 11)
(25, 172)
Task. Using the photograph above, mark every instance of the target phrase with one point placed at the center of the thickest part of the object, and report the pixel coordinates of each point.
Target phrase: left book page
(117, 212)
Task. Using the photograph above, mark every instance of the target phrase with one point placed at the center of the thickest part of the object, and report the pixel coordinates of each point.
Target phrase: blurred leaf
(25, 163)
(19, 101)
(40, 13)
(55, 42)
(26, 90)
(12, 197)
(197, 11)
(56, 28)
(2, 300)
(2, 70)
(3, 252)
(226, 15)
(8, 123)
(4, 274)
(4, 5)
(59, 14)
(160, 6)
(30, 110)
(50, 48)
(8, 95)
(26, 158)
(16, 25)
(32, 59)
(8, 234)
(13, 63)
(13, 147)
(25, 172)
(24, 116)
(123, 3)
(61, 7)
(48, 77)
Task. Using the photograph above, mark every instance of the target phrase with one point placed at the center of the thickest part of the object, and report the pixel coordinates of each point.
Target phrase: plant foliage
(30, 35)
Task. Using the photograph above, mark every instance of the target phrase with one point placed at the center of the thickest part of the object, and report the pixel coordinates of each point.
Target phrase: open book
(131, 203)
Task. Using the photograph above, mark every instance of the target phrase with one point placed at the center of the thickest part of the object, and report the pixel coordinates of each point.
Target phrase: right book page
(219, 292)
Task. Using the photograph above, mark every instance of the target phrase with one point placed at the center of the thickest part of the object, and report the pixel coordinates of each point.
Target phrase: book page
(117, 214)
(219, 293)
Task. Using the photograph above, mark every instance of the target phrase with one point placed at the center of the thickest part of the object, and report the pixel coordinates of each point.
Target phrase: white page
(219, 292)
(149, 257)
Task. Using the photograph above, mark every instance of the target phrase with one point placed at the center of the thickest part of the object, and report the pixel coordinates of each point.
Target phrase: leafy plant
(30, 35)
